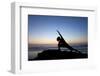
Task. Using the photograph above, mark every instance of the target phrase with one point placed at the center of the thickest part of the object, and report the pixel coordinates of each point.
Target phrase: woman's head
(58, 38)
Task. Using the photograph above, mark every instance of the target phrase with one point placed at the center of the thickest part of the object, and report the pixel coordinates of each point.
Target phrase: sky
(42, 29)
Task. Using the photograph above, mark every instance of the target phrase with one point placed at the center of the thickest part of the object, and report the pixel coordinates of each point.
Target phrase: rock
(57, 54)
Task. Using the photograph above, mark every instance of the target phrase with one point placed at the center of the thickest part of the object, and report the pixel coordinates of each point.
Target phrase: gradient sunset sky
(42, 29)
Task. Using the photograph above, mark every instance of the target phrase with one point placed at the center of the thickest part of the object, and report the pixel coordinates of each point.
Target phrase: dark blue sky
(42, 29)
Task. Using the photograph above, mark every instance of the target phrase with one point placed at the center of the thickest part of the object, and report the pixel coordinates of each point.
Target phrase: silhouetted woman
(59, 42)
(63, 43)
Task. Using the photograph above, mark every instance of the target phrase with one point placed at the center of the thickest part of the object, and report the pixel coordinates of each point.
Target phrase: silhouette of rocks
(57, 54)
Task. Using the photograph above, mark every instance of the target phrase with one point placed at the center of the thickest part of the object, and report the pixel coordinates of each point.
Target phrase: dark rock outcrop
(57, 54)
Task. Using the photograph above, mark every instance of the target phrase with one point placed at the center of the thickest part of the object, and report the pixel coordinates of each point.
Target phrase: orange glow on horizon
(52, 41)
(42, 41)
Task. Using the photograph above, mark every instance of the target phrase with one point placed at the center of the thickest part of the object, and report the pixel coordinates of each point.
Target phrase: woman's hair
(58, 38)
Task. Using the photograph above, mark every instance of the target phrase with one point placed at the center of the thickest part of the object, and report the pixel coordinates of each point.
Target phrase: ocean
(34, 50)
